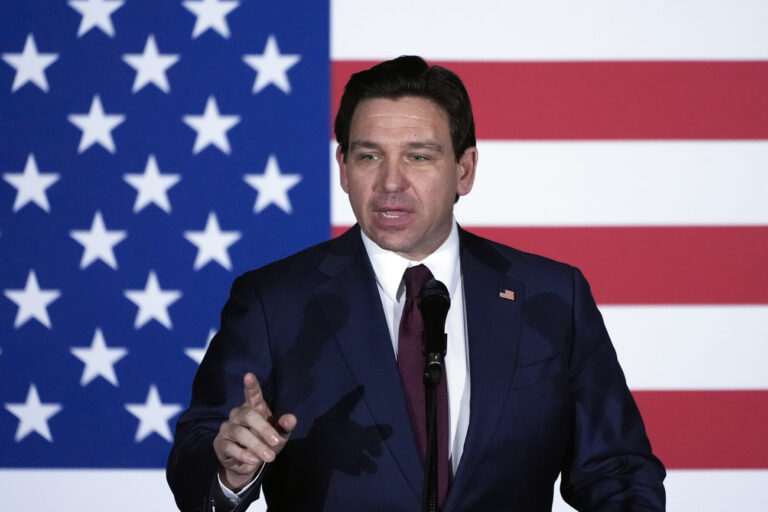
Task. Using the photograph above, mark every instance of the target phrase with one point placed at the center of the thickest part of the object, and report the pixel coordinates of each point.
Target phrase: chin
(390, 243)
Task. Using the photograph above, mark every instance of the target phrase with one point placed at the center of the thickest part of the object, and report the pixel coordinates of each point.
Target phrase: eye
(419, 158)
(369, 157)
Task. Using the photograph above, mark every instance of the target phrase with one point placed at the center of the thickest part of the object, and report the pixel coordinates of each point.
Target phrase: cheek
(357, 192)
(363, 181)
(440, 192)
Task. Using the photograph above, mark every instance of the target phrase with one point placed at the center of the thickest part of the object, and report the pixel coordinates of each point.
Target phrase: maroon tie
(410, 361)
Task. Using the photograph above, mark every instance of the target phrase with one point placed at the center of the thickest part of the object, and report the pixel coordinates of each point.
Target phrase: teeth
(389, 215)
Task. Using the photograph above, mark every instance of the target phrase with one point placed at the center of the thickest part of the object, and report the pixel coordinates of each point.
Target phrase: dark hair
(410, 76)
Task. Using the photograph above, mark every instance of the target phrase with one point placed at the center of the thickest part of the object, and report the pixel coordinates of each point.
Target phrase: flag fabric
(152, 151)
(628, 139)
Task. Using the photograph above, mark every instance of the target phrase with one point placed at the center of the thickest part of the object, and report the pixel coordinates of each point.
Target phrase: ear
(465, 169)
(342, 169)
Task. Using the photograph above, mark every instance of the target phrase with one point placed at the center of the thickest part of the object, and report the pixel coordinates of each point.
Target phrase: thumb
(286, 424)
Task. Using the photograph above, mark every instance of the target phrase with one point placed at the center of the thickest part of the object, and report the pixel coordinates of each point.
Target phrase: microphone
(433, 303)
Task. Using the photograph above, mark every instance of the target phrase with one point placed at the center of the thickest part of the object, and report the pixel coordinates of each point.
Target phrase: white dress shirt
(445, 266)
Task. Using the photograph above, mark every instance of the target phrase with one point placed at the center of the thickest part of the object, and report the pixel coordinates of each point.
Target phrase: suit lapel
(493, 329)
(363, 340)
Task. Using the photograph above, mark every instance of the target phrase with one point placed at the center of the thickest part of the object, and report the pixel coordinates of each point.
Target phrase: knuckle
(255, 418)
(243, 436)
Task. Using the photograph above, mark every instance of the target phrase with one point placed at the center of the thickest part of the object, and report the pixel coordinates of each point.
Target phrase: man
(329, 420)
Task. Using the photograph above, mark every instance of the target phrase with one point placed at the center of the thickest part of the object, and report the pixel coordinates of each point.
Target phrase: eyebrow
(431, 146)
(428, 145)
(362, 144)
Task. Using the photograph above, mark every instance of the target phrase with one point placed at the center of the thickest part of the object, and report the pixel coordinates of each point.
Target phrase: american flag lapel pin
(507, 294)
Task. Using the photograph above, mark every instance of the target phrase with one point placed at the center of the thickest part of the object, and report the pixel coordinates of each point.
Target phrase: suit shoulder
(293, 267)
(519, 263)
(304, 267)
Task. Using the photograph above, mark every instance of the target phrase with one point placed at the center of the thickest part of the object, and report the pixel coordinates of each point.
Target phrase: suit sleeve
(240, 346)
(610, 465)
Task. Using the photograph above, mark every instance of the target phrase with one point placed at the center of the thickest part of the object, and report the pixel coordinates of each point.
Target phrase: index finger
(254, 398)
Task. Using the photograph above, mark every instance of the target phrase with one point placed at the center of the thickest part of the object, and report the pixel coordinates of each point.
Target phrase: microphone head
(433, 303)
(434, 298)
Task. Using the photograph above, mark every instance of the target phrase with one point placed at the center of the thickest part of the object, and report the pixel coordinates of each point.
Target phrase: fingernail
(252, 459)
(274, 441)
(267, 456)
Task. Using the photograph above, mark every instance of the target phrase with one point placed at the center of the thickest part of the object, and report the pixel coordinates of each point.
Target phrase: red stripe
(654, 265)
(608, 100)
(707, 429)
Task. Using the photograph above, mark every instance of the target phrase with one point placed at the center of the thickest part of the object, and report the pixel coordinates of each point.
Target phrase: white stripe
(691, 347)
(85, 490)
(146, 490)
(708, 491)
(550, 29)
(601, 183)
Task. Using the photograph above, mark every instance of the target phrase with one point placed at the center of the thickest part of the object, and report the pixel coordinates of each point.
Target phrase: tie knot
(414, 278)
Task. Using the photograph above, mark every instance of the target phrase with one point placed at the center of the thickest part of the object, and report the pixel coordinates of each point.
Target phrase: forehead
(407, 111)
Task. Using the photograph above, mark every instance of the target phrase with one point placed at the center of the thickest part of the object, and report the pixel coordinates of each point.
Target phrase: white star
(152, 187)
(212, 243)
(33, 415)
(151, 66)
(31, 185)
(96, 126)
(32, 302)
(96, 13)
(153, 302)
(98, 243)
(211, 14)
(271, 67)
(30, 65)
(153, 416)
(211, 127)
(99, 360)
(272, 186)
(197, 354)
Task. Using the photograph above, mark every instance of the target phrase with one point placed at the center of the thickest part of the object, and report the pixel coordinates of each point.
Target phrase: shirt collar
(389, 266)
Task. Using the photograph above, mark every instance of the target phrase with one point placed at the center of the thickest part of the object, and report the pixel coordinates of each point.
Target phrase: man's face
(401, 174)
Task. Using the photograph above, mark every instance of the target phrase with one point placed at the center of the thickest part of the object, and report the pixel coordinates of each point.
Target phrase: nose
(393, 178)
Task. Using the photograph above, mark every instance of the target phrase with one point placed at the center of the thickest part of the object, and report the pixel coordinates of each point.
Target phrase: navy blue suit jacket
(547, 393)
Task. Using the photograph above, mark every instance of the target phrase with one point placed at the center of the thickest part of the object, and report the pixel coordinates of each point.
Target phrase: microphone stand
(433, 372)
(433, 303)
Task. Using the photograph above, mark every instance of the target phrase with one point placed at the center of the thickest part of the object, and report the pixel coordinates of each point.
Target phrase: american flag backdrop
(150, 151)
